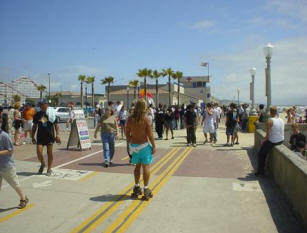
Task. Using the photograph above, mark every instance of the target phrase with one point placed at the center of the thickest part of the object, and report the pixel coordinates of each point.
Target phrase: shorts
(143, 156)
(209, 128)
(230, 130)
(27, 125)
(122, 123)
(168, 124)
(237, 128)
(10, 175)
(45, 141)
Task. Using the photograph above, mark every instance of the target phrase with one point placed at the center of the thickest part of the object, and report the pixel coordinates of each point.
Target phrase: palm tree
(91, 80)
(108, 80)
(56, 98)
(82, 79)
(156, 75)
(144, 73)
(134, 84)
(41, 89)
(178, 75)
(168, 72)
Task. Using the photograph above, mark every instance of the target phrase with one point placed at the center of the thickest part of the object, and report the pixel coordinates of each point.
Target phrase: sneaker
(194, 145)
(49, 172)
(237, 143)
(41, 169)
(106, 164)
(227, 144)
(172, 137)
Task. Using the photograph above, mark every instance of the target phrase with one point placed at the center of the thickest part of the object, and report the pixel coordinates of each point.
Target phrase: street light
(205, 64)
(49, 86)
(238, 91)
(268, 52)
(252, 91)
(128, 88)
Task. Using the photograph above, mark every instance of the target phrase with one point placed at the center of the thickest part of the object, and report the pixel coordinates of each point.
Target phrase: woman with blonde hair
(140, 147)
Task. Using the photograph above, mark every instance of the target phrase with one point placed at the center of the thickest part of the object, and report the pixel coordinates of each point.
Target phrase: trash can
(251, 123)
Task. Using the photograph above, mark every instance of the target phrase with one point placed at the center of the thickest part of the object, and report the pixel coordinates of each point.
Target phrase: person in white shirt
(123, 115)
(208, 121)
(274, 136)
(216, 118)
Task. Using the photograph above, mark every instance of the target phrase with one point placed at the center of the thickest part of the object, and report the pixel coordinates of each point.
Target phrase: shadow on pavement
(110, 197)
(280, 209)
(7, 209)
(101, 164)
(26, 173)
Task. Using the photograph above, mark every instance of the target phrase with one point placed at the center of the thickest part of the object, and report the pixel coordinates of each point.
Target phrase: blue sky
(101, 38)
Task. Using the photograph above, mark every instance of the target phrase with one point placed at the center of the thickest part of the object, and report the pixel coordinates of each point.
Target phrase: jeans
(266, 147)
(191, 137)
(108, 146)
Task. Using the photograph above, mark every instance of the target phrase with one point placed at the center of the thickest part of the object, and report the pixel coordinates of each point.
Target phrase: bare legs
(49, 153)
(146, 173)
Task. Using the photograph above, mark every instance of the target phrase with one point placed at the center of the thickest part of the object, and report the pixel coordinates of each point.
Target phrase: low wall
(289, 172)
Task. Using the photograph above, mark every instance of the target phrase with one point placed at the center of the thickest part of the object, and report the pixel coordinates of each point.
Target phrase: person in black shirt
(159, 121)
(168, 122)
(231, 122)
(191, 124)
(297, 136)
(45, 126)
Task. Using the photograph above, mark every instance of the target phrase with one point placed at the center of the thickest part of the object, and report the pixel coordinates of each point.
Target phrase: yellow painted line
(125, 158)
(87, 177)
(136, 207)
(94, 223)
(15, 213)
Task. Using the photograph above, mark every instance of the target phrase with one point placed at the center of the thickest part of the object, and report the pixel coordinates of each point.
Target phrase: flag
(205, 64)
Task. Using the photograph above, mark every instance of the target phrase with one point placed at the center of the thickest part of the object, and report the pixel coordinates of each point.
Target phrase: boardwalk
(209, 188)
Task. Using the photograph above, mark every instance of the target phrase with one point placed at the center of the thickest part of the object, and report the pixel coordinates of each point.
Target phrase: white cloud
(289, 73)
(203, 25)
(265, 22)
(294, 8)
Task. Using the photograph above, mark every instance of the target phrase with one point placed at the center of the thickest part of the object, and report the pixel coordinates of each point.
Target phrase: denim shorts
(143, 156)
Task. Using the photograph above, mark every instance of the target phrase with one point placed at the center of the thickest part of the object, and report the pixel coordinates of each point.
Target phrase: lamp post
(128, 88)
(238, 91)
(49, 87)
(268, 51)
(252, 91)
(205, 64)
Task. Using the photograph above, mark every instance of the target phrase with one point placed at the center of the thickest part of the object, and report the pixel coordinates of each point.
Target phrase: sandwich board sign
(79, 134)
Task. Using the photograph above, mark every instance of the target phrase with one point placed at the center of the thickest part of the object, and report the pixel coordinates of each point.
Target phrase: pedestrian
(142, 146)
(191, 124)
(8, 169)
(159, 120)
(274, 136)
(296, 136)
(231, 123)
(17, 124)
(261, 114)
(216, 120)
(300, 149)
(168, 122)
(71, 117)
(122, 120)
(108, 131)
(28, 114)
(46, 125)
(208, 123)
(176, 117)
(244, 118)
(181, 114)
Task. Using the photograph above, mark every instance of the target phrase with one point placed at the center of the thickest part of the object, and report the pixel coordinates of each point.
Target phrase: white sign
(83, 133)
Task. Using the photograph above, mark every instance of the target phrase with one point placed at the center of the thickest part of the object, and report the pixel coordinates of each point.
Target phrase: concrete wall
(289, 172)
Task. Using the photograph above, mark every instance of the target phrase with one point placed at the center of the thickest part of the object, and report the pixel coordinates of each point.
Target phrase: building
(126, 95)
(197, 86)
(24, 87)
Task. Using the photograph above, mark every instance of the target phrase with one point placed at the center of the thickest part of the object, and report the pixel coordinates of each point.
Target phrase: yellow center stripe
(85, 178)
(5, 218)
(136, 207)
(93, 221)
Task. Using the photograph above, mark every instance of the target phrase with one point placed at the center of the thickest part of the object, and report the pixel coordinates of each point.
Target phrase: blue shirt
(6, 144)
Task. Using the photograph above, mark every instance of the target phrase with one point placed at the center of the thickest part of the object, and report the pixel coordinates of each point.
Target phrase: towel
(51, 114)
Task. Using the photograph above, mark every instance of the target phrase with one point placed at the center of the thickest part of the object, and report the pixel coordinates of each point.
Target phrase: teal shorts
(143, 156)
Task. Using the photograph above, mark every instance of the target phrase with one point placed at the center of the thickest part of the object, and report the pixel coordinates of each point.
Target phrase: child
(7, 167)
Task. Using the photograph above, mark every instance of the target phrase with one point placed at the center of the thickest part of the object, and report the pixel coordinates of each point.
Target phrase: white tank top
(277, 130)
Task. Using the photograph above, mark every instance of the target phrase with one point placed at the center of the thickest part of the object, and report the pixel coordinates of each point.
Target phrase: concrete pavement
(209, 188)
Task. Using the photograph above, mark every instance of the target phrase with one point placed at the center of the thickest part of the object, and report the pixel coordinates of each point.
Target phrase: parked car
(62, 113)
